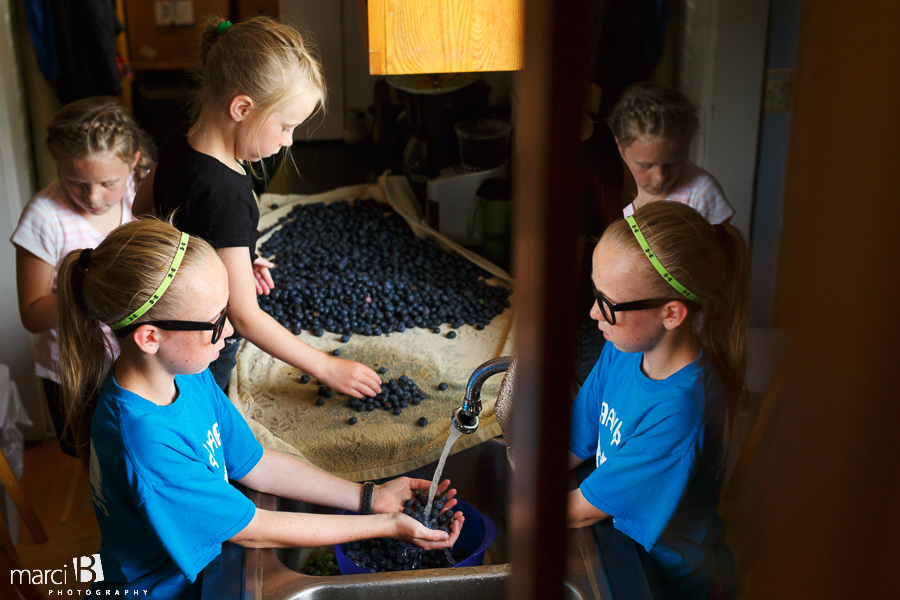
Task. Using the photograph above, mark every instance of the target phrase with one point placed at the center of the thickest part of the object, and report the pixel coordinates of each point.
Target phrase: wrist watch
(367, 491)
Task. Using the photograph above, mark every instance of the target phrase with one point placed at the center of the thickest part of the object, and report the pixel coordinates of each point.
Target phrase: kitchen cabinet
(444, 36)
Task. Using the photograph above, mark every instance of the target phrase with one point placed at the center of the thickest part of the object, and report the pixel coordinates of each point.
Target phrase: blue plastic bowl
(477, 534)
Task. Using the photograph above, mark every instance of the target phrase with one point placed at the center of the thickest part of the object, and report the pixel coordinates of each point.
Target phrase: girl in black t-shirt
(260, 80)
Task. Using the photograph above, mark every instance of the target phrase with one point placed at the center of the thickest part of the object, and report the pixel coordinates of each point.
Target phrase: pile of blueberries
(351, 268)
(395, 395)
(384, 554)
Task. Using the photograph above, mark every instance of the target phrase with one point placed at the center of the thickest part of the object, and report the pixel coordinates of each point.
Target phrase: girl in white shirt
(101, 157)
(653, 125)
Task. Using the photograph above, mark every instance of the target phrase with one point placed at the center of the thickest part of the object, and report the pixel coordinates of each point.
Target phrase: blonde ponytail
(270, 62)
(105, 285)
(709, 260)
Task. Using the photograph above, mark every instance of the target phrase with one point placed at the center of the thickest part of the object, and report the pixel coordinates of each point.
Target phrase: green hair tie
(658, 265)
(176, 262)
(223, 27)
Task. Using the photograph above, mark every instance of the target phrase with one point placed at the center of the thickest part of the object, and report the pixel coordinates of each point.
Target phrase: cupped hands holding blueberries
(392, 498)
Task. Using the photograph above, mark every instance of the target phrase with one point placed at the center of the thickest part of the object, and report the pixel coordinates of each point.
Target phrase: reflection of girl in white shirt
(653, 126)
(699, 190)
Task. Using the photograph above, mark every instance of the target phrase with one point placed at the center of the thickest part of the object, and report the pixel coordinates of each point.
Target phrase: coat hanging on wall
(627, 39)
(75, 41)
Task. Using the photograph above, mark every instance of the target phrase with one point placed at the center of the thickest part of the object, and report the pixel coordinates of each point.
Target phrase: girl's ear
(675, 313)
(146, 337)
(240, 107)
(137, 157)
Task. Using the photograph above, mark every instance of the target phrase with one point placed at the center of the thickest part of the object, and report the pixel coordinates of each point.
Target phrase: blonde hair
(91, 126)
(259, 57)
(651, 109)
(711, 261)
(121, 274)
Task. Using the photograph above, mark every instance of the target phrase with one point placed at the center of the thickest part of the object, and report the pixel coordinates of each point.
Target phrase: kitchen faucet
(465, 418)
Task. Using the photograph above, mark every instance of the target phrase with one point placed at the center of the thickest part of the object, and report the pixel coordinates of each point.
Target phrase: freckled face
(615, 276)
(655, 162)
(97, 185)
(190, 352)
(276, 132)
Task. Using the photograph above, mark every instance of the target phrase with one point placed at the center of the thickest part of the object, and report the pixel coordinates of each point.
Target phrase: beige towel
(282, 413)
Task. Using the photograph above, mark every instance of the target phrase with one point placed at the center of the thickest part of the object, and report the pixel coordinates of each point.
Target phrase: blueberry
(345, 338)
(435, 330)
(361, 408)
(382, 370)
(336, 352)
(351, 421)
(304, 379)
(422, 421)
(397, 410)
(442, 386)
(320, 401)
(318, 332)
(451, 335)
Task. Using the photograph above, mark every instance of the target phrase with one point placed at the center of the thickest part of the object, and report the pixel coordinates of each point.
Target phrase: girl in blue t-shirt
(162, 440)
(671, 299)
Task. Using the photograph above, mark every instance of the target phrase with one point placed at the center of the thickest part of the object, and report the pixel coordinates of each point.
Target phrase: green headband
(658, 265)
(176, 262)
(223, 27)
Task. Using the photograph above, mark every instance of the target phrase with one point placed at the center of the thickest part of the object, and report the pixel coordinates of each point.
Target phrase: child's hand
(349, 377)
(412, 532)
(264, 282)
(389, 497)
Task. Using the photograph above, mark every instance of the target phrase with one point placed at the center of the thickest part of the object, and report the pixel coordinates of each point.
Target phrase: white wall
(723, 60)
(16, 187)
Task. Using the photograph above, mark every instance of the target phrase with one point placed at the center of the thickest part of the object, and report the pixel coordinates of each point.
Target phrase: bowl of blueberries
(384, 554)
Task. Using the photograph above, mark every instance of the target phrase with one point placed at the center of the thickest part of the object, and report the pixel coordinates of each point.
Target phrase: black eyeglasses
(608, 309)
(217, 328)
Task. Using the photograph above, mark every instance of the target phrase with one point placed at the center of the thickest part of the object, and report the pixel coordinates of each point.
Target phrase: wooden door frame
(547, 196)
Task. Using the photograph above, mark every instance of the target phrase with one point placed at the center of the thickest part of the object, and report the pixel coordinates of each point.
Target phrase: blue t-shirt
(159, 481)
(660, 459)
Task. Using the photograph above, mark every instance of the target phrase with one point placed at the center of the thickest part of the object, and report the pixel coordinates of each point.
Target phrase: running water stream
(451, 439)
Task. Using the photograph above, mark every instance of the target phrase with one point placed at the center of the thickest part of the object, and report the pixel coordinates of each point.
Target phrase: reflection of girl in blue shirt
(671, 299)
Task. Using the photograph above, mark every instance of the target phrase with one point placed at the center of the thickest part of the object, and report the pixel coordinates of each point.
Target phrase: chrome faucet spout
(465, 418)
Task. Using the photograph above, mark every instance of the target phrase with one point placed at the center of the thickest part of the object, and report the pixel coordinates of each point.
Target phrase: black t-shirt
(212, 201)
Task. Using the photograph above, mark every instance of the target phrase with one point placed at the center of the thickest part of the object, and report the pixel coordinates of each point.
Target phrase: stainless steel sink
(437, 584)
(481, 476)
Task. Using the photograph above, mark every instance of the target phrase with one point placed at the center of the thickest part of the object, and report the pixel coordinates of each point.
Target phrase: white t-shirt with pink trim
(699, 190)
(50, 229)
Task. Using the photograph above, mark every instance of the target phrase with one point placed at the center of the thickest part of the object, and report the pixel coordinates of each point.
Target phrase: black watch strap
(366, 506)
